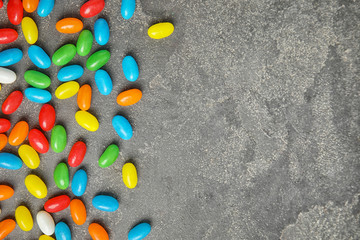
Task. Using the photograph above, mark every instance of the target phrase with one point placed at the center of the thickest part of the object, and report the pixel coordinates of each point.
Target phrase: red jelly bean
(4, 125)
(47, 117)
(77, 154)
(1, 3)
(15, 11)
(12, 102)
(92, 8)
(7, 35)
(38, 141)
(57, 204)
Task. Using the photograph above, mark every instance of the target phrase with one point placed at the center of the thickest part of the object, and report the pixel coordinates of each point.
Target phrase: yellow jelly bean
(30, 30)
(67, 90)
(0, 87)
(29, 156)
(46, 237)
(160, 30)
(129, 175)
(23, 218)
(36, 186)
(87, 120)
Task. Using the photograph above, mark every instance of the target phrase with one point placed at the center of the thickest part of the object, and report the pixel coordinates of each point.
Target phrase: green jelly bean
(97, 60)
(58, 138)
(37, 79)
(61, 176)
(109, 156)
(84, 43)
(64, 54)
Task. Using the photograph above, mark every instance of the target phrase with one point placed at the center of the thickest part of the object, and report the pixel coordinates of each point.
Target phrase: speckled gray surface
(248, 127)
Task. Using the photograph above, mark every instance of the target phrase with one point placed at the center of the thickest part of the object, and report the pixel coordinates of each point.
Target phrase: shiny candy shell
(6, 227)
(23, 218)
(12, 102)
(5, 125)
(79, 182)
(45, 222)
(105, 203)
(37, 95)
(64, 54)
(101, 31)
(15, 11)
(38, 141)
(8, 35)
(129, 175)
(45, 7)
(87, 120)
(109, 156)
(10, 161)
(97, 232)
(39, 57)
(6, 192)
(10, 56)
(161, 30)
(84, 43)
(122, 127)
(46, 237)
(103, 82)
(7, 76)
(77, 154)
(36, 186)
(91, 8)
(139, 232)
(84, 97)
(37, 79)
(127, 8)
(47, 117)
(58, 139)
(57, 204)
(70, 72)
(19, 133)
(30, 5)
(29, 156)
(30, 30)
(97, 60)
(78, 211)
(69, 25)
(130, 68)
(61, 176)
(129, 97)
(62, 231)
(67, 90)
(3, 141)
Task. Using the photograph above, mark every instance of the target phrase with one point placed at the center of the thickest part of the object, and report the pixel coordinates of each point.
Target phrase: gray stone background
(248, 127)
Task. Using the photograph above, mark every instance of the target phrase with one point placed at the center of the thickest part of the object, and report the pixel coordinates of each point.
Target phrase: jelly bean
(67, 90)
(23, 218)
(37, 79)
(58, 139)
(64, 54)
(103, 82)
(15, 11)
(84, 43)
(78, 211)
(38, 141)
(130, 68)
(38, 95)
(4, 125)
(129, 97)
(35, 186)
(62, 231)
(109, 156)
(3, 141)
(45, 7)
(61, 176)
(161, 30)
(6, 227)
(70, 73)
(47, 117)
(30, 30)
(8, 35)
(7, 76)
(19, 133)
(10, 161)
(97, 232)
(92, 8)
(127, 8)
(12, 102)
(46, 237)
(45, 222)
(101, 31)
(139, 232)
(122, 127)
(105, 203)
(6, 192)
(77, 154)
(69, 25)
(30, 5)
(1, 3)
(97, 60)
(57, 204)
(39, 57)
(79, 182)
(84, 97)
(87, 120)
(129, 175)
(29, 156)
(10, 56)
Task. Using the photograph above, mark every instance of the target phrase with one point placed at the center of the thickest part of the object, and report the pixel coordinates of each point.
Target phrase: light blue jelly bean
(103, 82)
(130, 68)
(39, 57)
(79, 182)
(127, 8)
(105, 203)
(62, 231)
(139, 232)
(38, 95)
(70, 73)
(10, 56)
(101, 31)
(10, 161)
(45, 7)
(122, 127)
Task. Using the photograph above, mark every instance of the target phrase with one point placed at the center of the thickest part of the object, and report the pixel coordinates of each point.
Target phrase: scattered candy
(7, 76)
(67, 90)
(5, 125)
(129, 175)
(19, 133)
(70, 73)
(103, 82)
(127, 8)
(87, 120)
(10, 56)
(8, 35)
(46, 237)
(57, 204)
(84, 97)
(61, 176)
(10, 161)
(105, 203)
(36, 186)
(129, 97)
(69, 25)
(161, 30)
(78, 211)
(130, 68)
(6, 227)
(62, 231)
(3, 141)
(77, 154)
(91, 8)
(109, 156)
(45, 7)
(38, 141)
(84, 43)
(97, 60)
(122, 127)
(12, 102)
(30, 30)
(139, 232)
(101, 31)
(47, 117)
(6, 192)
(79, 182)
(37, 79)
(30, 5)
(15, 11)
(58, 139)
(29, 156)
(97, 232)
(45, 222)
(64, 54)
(23, 218)
(37, 95)
(39, 57)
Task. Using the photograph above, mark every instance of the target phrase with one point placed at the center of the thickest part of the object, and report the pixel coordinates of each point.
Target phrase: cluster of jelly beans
(38, 143)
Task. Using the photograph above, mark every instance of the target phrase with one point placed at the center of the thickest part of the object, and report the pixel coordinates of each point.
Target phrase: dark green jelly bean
(58, 138)
(109, 156)
(37, 79)
(84, 43)
(64, 54)
(97, 60)
(61, 176)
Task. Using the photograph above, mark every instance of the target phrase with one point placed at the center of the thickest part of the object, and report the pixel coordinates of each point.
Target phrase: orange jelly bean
(129, 97)
(18, 133)
(97, 232)
(30, 5)
(78, 211)
(6, 227)
(84, 97)
(6, 192)
(69, 25)
(3, 141)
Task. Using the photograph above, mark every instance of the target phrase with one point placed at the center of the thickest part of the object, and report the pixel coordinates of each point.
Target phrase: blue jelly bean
(101, 31)
(45, 7)
(10, 56)
(62, 231)
(79, 182)
(39, 57)
(139, 232)
(105, 203)
(38, 95)
(103, 82)
(130, 68)
(127, 8)
(70, 73)
(10, 161)
(122, 127)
